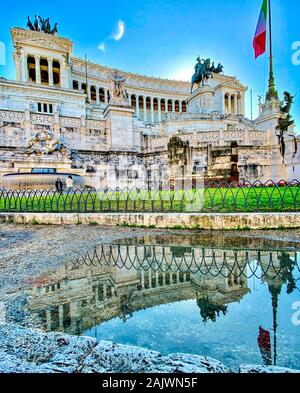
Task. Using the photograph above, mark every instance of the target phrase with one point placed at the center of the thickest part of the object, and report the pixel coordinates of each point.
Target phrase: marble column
(106, 96)
(104, 291)
(143, 279)
(150, 278)
(50, 71)
(38, 69)
(159, 109)
(61, 315)
(243, 105)
(223, 105)
(235, 105)
(173, 106)
(25, 67)
(17, 59)
(180, 106)
(239, 105)
(152, 109)
(48, 320)
(137, 105)
(166, 105)
(145, 108)
(89, 93)
(97, 96)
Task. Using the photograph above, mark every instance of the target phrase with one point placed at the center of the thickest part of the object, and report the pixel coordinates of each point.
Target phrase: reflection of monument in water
(117, 280)
(278, 273)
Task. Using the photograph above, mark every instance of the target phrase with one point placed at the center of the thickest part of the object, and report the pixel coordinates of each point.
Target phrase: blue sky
(163, 37)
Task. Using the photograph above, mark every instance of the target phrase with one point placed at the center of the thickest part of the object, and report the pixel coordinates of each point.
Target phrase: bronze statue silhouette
(29, 24)
(54, 31)
(43, 25)
(203, 71)
(285, 121)
(36, 23)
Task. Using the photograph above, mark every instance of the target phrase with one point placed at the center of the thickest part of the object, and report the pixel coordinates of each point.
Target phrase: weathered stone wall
(213, 221)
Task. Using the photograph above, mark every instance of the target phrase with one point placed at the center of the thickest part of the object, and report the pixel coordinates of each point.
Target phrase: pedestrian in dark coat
(59, 185)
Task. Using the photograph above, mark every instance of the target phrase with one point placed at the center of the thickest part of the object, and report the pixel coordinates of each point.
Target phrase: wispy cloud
(102, 47)
(116, 35)
(119, 31)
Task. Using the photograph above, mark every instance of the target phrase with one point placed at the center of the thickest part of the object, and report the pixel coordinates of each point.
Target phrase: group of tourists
(60, 186)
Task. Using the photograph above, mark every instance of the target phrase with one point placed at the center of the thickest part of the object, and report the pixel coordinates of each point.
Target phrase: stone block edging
(214, 221)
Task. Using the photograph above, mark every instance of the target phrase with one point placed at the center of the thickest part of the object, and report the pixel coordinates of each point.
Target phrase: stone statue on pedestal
(117, 91)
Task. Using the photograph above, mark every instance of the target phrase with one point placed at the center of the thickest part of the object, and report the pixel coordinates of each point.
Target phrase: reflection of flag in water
(264, 343)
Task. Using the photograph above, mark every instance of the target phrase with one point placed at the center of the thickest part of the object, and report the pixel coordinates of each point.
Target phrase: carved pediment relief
(234, 85)
(22, 37)
(44, 43)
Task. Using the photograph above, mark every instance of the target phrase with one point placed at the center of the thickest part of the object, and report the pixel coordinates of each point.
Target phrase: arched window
(155, 104)
(176, 106)
(170, 106)
(183, 106)
(163, 105)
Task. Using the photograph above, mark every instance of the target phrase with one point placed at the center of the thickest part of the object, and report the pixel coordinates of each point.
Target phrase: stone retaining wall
(162, 220)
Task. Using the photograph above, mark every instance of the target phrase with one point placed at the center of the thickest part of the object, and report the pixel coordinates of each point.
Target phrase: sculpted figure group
(41, 24)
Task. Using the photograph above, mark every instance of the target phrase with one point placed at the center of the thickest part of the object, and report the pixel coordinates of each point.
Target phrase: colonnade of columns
(147, 108)
(233, 104)
(154, 107)
(38, 69)
(153, 279)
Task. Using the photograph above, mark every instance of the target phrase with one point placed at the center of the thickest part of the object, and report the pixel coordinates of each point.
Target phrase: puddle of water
(232, 299)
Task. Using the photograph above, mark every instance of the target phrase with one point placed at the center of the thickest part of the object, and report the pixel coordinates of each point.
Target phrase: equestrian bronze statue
(204, 70)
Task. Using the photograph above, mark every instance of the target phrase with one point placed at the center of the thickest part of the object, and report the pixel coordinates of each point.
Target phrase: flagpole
(86, 80)
(272, 92)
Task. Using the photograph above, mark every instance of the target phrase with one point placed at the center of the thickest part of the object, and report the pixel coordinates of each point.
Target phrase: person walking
(69, 182)
(59, 185)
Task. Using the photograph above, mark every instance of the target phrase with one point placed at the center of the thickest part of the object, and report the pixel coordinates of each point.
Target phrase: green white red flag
(260, 38)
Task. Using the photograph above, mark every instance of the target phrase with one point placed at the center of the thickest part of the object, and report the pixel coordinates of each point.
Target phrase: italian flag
(259, 41)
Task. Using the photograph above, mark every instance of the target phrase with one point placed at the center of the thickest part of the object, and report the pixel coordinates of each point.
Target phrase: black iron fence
(214, 197)
(216, 262)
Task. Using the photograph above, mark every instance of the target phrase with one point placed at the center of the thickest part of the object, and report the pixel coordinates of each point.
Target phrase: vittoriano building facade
(113, 128)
